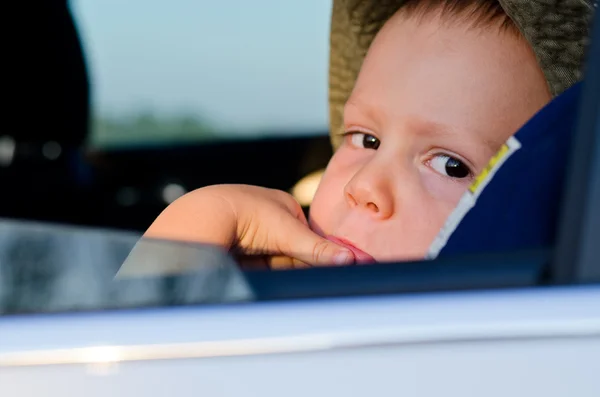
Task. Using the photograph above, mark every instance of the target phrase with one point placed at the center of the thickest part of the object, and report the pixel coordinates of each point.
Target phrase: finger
(269, 262)
(303, 244)
(295, 209)
(300, 265)
(281, 262)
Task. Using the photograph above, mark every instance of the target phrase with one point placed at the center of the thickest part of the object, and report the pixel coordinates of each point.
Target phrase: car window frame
(577, 249)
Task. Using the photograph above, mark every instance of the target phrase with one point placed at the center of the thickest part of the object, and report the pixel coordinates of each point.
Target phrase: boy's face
(432, 104)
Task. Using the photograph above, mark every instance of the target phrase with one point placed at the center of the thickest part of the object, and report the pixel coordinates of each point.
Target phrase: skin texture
(426, 90)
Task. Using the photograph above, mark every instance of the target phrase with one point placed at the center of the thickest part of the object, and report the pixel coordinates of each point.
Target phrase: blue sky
(244, 64)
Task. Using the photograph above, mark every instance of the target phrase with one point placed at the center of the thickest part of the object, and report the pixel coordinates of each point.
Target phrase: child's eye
(364, 141)
(449, 166)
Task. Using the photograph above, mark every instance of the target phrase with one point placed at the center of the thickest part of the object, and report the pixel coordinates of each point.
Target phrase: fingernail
(343, 258)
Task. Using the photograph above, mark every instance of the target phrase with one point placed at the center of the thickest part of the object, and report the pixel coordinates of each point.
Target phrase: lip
(361, 256)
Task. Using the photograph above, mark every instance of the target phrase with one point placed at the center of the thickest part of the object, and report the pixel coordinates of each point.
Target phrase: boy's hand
(265, 224)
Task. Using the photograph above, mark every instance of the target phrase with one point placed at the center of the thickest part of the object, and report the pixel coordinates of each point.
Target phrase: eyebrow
(365, 110)
(434, 128)
(417, 123)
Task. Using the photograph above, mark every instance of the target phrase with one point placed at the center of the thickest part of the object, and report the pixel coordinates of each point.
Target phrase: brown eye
(449, 166)
(364, 141)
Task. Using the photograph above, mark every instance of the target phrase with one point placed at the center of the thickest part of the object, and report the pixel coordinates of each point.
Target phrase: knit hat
(557, 30)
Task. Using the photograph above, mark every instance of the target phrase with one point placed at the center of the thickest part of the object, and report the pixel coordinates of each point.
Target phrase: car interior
(50, 138)
(67, 157)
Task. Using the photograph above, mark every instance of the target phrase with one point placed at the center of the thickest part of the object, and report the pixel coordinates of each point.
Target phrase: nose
(371, 189)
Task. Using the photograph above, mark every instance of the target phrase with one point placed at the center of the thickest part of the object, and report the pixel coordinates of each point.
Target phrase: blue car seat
(518, 209)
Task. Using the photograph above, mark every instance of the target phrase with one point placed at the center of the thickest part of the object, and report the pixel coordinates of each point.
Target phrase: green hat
(557, 30)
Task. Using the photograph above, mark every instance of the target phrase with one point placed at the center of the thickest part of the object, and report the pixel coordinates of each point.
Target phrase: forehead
(450, 74)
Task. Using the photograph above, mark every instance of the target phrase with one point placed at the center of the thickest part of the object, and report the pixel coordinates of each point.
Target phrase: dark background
(48, 93)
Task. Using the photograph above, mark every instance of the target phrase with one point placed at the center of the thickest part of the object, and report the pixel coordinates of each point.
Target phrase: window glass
(56, 268)
(174, 71)
(187, 76)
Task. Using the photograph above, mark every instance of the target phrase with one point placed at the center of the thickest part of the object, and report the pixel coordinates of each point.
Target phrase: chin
(399, 255)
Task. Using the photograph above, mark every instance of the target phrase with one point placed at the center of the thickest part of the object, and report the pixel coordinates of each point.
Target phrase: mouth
(361, 256)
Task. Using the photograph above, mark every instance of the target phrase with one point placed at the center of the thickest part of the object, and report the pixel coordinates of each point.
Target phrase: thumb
(301, 243)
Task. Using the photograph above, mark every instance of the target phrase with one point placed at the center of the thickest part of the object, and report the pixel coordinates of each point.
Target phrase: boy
(444, 84)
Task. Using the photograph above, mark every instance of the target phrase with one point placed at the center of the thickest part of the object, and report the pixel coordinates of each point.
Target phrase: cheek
(446, 192)
(328, 200)
(419, 218)
(325, 203)
(411, 233)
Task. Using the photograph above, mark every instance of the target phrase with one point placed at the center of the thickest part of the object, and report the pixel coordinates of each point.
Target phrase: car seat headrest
(514, 204)
(49, 93)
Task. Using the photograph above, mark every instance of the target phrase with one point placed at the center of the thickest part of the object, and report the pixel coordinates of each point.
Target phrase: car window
(185, 70)
(57, 268)
(134, 84)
